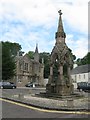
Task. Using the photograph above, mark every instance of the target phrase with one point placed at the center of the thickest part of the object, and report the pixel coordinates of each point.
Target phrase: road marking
(44, 110)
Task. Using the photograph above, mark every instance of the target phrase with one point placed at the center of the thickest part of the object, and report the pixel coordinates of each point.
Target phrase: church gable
(26, 58)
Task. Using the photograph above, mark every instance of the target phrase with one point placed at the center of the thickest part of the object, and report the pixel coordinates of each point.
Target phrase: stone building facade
(62, 83)
(29, 70)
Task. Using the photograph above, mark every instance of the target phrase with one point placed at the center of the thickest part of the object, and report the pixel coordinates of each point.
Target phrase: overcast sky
(28, 22)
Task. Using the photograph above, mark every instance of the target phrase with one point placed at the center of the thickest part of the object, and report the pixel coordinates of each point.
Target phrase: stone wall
(28, 70)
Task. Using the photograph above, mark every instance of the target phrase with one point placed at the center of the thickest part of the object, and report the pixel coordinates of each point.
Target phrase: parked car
(32, 84)
(84, 86)
(7, 85)
(29, 85)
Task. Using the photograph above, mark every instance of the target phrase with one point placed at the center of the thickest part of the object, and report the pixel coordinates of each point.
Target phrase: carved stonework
(62, 84)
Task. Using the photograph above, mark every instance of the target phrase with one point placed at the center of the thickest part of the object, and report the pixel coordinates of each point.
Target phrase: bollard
(70, 103)
(20, 96)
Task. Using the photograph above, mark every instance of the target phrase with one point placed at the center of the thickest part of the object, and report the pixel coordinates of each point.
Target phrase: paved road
(13, 110)
(24, 90)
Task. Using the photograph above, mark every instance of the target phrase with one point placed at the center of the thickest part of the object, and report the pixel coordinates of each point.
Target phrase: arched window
(26, 66)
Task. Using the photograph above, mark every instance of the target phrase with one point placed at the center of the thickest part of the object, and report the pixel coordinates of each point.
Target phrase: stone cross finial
(60, 13)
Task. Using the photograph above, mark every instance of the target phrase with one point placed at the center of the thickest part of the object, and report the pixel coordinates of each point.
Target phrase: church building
(29, 70)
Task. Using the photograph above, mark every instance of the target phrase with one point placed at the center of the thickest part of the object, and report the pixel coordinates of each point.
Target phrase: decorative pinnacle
(60, 13)
(36, 50)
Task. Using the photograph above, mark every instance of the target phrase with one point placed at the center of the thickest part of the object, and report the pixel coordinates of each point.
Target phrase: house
(29, 70)
(80, 74)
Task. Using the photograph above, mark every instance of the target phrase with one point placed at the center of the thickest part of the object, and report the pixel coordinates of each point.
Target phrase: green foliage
(31, 54)
(84, 60)
(13, 47)
(73, 56)
(8, 62)
(46, 57)
(78, 62)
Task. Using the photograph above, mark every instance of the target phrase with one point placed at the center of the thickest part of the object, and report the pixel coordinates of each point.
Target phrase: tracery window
(26, 66)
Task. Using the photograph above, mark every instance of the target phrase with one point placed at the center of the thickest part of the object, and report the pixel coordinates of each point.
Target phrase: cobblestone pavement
(59, 104)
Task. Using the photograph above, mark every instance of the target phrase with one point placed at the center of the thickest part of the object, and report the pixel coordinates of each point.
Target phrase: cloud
(35, 21)
(79, 47)
(39, 12)
(75, 13)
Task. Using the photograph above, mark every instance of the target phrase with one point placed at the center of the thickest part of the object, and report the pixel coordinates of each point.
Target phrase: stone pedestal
(64, 90)
(59, 89)
(60, 86)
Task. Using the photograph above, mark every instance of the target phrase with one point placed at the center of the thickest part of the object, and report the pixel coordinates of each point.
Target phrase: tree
(46, 57)
(13, 47)
(73, 56)
(8, 62)
(31, 54)
(84, 60)
(78, 62)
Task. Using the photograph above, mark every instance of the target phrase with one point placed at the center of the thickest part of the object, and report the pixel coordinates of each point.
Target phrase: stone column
(61, 70)
(51, 70)
(71, 89)
(60, 76)
(69, 81)
(51, 74)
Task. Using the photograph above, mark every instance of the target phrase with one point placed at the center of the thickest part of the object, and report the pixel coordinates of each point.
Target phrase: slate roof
(81, 69)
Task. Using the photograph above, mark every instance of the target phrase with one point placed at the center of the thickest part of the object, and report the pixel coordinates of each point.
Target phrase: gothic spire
(60, 25)
(36, 55)
(60, 31)
(36, 50)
